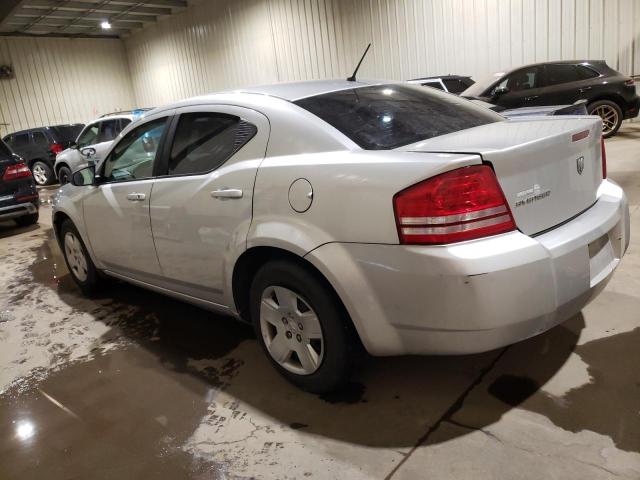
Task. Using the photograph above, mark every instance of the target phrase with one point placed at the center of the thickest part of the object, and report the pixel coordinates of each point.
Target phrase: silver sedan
(339, 215)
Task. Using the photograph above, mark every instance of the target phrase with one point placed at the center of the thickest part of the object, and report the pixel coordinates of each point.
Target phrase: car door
(40, 145)
(561, 84)
(520, 89)
(201, 208)
(116, 212)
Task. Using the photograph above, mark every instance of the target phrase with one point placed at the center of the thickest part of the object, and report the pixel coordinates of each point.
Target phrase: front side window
(133, 157)
(524, 79)
(89, 136)
(383, 117)
(559, 74)
(205, 140)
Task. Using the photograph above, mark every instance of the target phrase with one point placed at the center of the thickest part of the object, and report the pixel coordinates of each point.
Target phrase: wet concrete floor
(130, 384)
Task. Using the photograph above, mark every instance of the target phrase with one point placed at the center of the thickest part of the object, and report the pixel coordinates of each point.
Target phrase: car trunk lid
(549, 169)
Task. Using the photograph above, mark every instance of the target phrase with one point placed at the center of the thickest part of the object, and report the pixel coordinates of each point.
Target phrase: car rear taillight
(19, 170)
(462, 204)
(604, 158)
(56, 148)
(630, 83)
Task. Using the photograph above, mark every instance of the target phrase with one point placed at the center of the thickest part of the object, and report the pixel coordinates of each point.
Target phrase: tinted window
(437, 85)
(585, 73)
(132, 158)
(557, 74)
(205, 140)
(20, 140)
(5, 151)
(40, 139)
(524, 79)
(122, 123)
(454, 85)
(66, 134)
(390, 116)
(89, 136)
(108, 130)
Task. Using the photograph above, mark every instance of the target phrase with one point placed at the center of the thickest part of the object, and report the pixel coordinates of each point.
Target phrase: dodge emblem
(580, 165)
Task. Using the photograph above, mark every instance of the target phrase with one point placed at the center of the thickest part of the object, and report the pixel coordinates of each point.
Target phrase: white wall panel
(220, 44)
(60, 80)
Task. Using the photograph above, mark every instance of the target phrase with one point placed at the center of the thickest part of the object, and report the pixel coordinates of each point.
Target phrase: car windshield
(478, 88)
(384, 117)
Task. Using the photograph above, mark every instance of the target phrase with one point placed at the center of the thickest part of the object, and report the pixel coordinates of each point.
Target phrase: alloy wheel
(291, 330)
(75, 256)
(609, 117)
(40, 175)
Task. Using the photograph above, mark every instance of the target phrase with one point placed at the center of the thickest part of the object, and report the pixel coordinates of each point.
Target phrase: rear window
(5, 151)
(384, 117)
(67, 133)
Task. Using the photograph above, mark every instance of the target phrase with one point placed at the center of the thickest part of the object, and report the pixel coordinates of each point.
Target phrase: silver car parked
(336, 214)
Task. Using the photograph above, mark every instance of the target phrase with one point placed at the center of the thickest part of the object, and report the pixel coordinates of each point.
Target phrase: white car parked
(335, 214)
(92, 143)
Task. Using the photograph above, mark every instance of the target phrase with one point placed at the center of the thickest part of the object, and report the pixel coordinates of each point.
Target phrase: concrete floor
(132, 385)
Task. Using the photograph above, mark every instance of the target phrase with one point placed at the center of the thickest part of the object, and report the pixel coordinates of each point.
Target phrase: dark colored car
(39, 147)
(448, 83)
(19, 199)
(608, 93)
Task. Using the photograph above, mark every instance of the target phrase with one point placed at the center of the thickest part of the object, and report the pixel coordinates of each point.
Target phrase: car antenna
(352, 78)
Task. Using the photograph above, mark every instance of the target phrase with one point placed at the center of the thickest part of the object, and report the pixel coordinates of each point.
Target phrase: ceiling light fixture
(105, 25)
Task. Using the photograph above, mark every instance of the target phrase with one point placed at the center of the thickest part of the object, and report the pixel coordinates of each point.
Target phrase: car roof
(35, 129)
(293, 91)
(559, 62)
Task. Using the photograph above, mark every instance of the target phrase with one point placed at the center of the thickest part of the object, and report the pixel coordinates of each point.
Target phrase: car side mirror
(84, 177)
(500, 91)
(88, 152)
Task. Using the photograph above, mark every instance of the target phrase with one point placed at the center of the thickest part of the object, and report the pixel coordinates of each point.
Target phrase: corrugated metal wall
(225, 44)
(60, 80)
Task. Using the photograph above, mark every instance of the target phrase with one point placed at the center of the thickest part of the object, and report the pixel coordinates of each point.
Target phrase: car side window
(122, 123)
(454, 85)
(20, 141)
(89, 135)
(108, 130)
(133, 157)
(437, 85)
(39, 139)
(205, 140)
(585, 73)
(559, 74)
(523, 79)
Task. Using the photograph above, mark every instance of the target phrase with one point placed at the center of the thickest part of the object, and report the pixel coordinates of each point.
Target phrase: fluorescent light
(105, 25)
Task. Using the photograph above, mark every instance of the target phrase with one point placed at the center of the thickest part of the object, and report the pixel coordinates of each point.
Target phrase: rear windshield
(384, 117)
(67, 133)
(5, 152)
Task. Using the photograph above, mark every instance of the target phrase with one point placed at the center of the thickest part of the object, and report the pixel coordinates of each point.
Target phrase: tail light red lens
(19, 170)
(630, 83)
(604, 158)
(56, 148)
(463, 204)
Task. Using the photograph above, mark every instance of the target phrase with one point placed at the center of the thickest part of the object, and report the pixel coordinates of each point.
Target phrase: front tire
(302, 327)
(42, 173)
(78, 261)
(64, 175)
(611, 115)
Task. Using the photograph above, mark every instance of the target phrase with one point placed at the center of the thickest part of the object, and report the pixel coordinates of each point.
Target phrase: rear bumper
(18, 210)
(479, 295)
(633, 107)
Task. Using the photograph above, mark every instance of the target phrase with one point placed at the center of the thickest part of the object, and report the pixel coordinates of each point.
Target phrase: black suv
(19, 199)
(39, 147)
(608, 93)
(449, 83)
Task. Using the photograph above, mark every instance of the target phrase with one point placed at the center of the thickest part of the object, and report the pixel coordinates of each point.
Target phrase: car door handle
(532, 98)
(584, 89)
(136, 197)
(227, 193)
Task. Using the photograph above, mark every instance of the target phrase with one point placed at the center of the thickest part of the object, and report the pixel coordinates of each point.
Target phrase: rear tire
(304, 332)
(27, 220)
(42, 173)
(64, 175)
(611, 115)
(78, 261)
